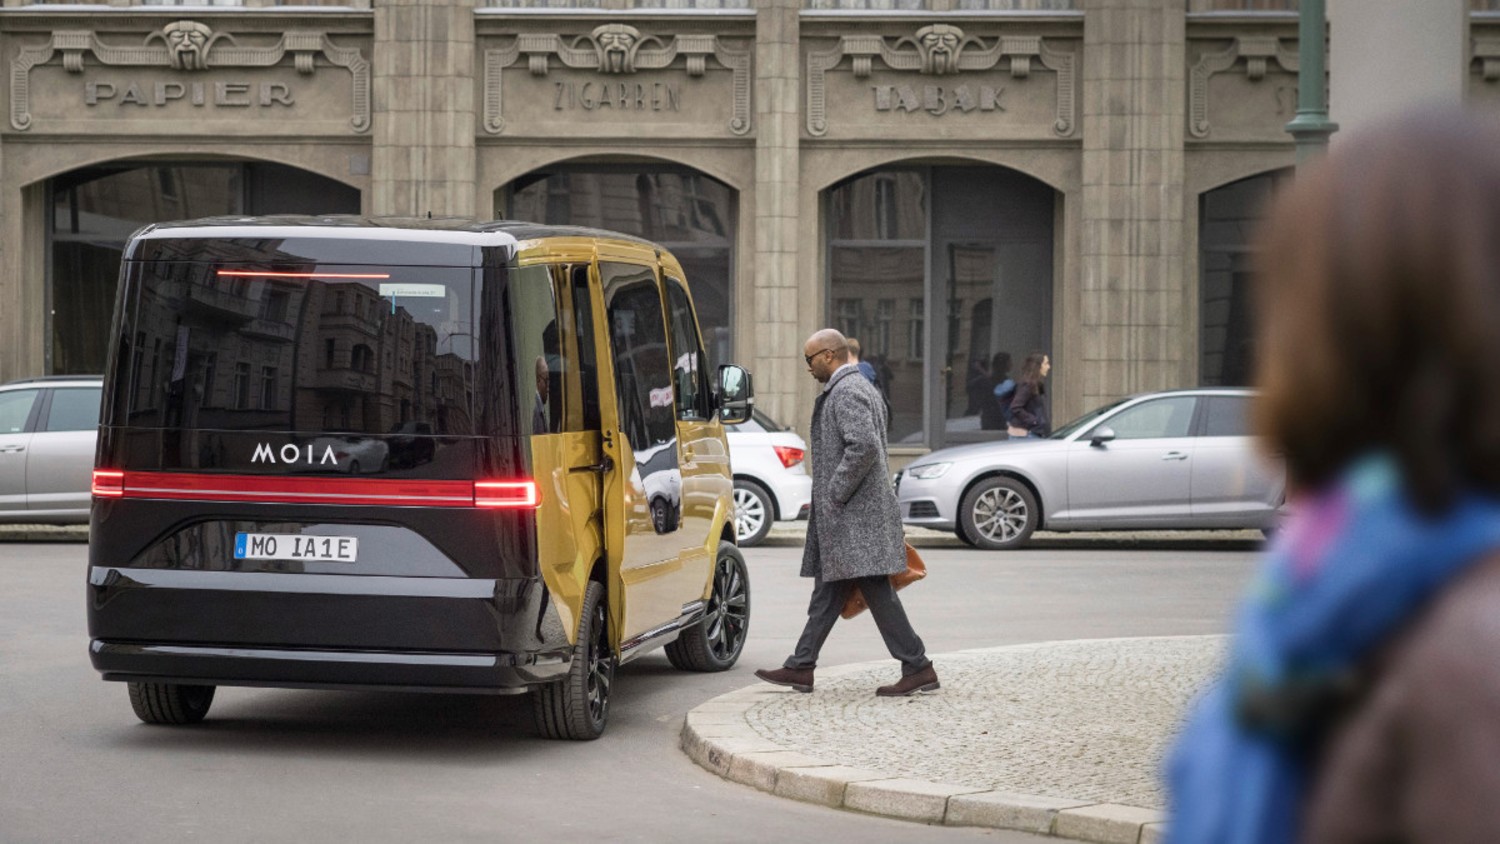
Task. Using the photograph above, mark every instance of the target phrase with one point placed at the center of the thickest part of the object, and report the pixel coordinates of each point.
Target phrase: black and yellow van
(429, 455)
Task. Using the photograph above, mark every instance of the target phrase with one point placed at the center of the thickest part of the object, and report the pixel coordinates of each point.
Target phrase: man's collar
(840, 373)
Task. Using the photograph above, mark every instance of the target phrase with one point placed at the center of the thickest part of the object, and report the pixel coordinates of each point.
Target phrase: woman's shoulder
(1461, 627)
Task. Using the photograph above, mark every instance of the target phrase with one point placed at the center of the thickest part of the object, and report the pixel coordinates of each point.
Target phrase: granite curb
(44, 533)
(786, 534)
(718, 737)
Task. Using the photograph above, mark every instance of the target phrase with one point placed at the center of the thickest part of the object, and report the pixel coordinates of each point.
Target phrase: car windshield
(766, 422)
(1085, 420)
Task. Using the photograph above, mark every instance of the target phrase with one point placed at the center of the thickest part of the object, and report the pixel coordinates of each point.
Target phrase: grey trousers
(890, 618)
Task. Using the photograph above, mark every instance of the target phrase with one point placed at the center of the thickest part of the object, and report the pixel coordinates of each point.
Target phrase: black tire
(715, 642)
(753, 512)
(999, 514)
(963, 535)
(170, 703)
(577, 708)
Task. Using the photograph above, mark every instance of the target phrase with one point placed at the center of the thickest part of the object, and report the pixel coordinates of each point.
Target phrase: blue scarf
(1354, 563)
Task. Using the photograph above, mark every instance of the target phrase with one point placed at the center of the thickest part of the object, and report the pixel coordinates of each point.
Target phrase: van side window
(581, 363)
(538, 349)
(643, 372)
(689, 375)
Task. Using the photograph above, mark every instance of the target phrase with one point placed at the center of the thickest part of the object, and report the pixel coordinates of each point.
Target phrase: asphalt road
(76, 765)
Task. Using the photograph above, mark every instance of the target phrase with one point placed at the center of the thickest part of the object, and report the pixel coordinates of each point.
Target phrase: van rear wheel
(715, 642)
(577, 708)
(170, 703)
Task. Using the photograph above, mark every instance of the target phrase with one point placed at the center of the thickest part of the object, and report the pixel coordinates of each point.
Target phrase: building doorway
(691, 214)
(94, 210)
(945, 276)
(1227, 217)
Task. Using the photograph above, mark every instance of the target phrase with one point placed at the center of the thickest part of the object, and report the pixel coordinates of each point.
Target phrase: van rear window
(357, 349)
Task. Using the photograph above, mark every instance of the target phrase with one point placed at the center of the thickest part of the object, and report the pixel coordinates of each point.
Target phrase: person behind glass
(539, 407)
(994, 414)
(1361, 699)
(865, 368)
(1028, 408)
(854, 535)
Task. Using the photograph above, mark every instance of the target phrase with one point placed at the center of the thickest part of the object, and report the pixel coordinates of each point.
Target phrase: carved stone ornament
(1257, 53)
(1487, 55)
(941, 50)
(188, 46)
(616, 48)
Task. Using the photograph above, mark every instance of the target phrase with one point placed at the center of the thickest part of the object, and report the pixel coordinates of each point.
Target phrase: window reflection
(687, 212)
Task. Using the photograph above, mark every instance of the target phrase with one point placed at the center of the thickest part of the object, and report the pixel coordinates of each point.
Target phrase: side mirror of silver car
(1101, 436)
(736, 394)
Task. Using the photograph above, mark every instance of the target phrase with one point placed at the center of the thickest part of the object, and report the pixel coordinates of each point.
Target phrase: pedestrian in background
(995, 415)
(854, 535)
(1028, 408)
(865, 368)
(1361, 701)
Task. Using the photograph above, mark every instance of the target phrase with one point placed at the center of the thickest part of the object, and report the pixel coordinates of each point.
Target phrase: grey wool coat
(855, 526)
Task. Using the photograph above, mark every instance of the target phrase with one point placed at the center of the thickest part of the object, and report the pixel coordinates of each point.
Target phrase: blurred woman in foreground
(1361, 701)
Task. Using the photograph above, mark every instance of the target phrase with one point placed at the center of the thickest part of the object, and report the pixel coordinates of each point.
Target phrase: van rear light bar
(266, 274)
(274, 489)
(108, 483)
(507, 494)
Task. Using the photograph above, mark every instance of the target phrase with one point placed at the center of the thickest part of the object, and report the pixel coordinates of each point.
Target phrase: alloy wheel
(1000, 514)
(601, 667)
(728, 616)
(749, 513)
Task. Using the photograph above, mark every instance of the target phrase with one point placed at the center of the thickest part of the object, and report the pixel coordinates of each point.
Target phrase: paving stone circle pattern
(1086, 720)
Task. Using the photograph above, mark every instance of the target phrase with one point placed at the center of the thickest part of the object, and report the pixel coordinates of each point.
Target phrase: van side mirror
(736, 394)
(1101, 436)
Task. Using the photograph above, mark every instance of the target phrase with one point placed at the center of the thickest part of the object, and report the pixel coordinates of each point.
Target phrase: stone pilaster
(423, 123)
(1135, 297)
(780, 300)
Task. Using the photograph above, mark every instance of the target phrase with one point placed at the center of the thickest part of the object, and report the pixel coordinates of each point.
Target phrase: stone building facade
(954, 181)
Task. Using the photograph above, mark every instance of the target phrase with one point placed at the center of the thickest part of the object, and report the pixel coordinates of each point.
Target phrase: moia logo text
(292, 454)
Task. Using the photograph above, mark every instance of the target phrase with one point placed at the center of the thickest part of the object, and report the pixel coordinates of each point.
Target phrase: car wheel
(963, 535)
(170, 703)
(659, 516)
(577, 707)
(752, 513)
(715, 642)
(999, 514)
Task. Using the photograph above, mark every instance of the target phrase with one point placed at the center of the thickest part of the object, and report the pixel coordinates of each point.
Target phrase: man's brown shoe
(923, 681)
(800, 679)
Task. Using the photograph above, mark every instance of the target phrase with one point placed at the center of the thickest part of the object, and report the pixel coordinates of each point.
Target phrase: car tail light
(520, 494)
(789, 456)
(108, 483)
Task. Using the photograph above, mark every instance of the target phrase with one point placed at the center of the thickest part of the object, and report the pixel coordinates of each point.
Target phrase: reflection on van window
(538, 350)
(213, 348)
(643, 383)
(689, 364)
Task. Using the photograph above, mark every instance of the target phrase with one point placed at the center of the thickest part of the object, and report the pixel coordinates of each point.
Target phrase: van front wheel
(170, 703)
(577, 708)
(715, 642)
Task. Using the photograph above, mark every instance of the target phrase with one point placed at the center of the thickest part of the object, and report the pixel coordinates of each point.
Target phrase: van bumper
(492, 673)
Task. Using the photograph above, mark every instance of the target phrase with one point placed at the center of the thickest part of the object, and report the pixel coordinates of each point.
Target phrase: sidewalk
(1061, 738)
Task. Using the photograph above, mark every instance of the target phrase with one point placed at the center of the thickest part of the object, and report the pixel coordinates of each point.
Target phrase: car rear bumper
(304, 668)
(793, 496)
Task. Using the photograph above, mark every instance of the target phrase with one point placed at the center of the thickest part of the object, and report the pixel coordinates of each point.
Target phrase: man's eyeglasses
(809, 358)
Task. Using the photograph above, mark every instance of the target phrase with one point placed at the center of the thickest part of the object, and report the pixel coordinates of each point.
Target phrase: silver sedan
(1174, 460)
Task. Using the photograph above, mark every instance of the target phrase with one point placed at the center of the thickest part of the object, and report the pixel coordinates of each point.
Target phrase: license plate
(292, 546)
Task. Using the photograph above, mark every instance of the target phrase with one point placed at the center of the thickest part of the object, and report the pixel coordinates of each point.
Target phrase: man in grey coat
(854, 535)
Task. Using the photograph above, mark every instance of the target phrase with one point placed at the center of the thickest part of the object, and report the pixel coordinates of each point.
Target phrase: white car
(770, 476)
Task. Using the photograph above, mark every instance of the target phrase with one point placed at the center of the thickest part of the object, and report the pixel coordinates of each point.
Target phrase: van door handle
(601, 467)
(1175, 455)
(12, 449)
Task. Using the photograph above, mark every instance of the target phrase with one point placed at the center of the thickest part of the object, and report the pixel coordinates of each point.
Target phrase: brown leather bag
(915, 571)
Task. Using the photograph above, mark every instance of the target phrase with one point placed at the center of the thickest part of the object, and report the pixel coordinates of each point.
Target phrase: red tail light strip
(388, 492)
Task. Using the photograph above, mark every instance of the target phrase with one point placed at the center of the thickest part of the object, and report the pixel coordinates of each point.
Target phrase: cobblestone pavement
(1059, 738)
(1085, 720)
